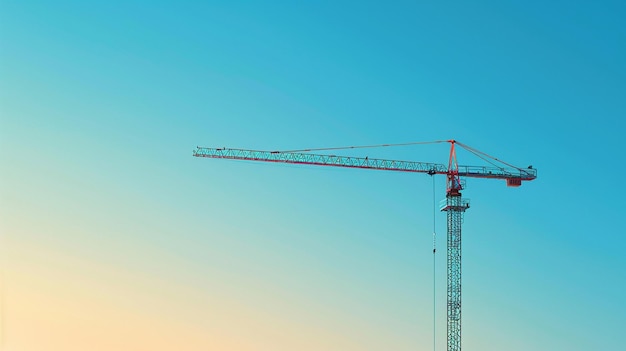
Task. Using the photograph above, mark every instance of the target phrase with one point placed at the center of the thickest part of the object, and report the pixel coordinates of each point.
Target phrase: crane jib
(514, 176)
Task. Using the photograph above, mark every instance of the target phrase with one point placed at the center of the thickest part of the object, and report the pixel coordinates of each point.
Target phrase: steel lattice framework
(454, 204)
(365, 163)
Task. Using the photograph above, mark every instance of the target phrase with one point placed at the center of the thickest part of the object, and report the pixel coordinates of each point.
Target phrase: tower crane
(454, 205)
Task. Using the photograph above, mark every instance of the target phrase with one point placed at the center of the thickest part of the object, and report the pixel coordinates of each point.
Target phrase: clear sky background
(115, 238)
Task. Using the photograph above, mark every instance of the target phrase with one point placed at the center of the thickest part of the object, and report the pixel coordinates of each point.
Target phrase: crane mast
(454, 205)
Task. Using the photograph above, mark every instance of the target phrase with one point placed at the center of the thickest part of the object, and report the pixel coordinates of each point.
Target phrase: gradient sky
(115, 238)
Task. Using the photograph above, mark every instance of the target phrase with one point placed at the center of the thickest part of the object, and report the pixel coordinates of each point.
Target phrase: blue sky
(102, 204)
